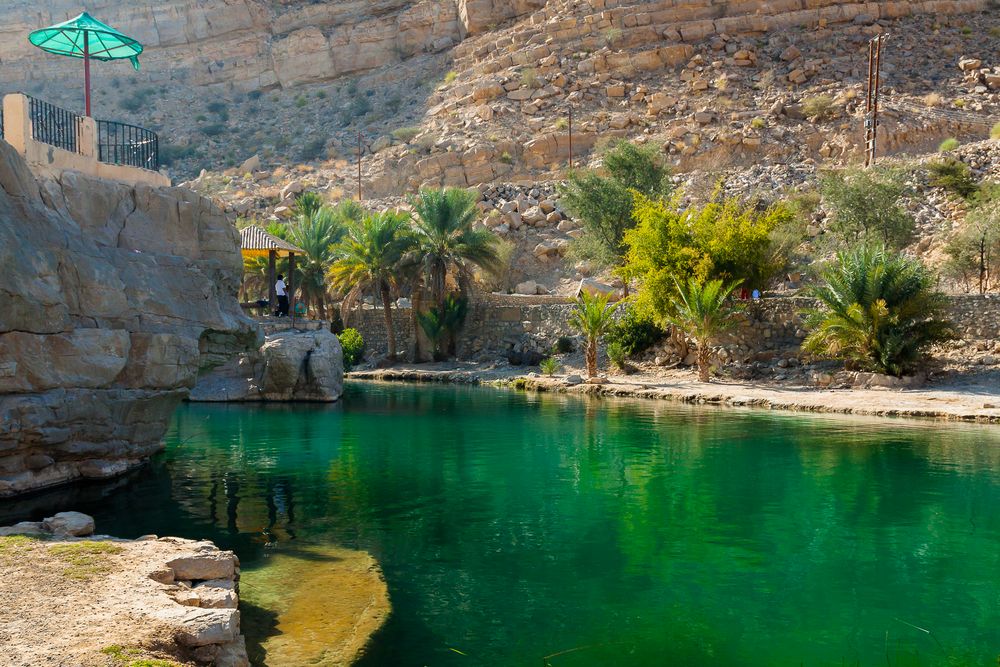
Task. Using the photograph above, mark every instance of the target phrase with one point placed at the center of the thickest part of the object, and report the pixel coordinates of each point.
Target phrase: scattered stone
(75, 524)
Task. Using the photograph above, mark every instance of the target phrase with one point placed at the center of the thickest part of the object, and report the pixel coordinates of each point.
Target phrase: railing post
(87, 140)
(17, 121)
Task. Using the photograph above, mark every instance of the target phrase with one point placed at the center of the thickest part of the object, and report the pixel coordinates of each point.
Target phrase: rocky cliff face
(112, 300)
(255, 43)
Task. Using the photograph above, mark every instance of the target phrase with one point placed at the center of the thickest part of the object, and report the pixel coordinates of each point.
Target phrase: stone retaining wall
(501, 324)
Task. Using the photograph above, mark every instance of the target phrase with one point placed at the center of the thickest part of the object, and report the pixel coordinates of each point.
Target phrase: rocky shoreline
(70, 597)
(959, 402)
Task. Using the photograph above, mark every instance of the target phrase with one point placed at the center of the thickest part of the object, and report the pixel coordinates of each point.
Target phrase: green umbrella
(86, 37)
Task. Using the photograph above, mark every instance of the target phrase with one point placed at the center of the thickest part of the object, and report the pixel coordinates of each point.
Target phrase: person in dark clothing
(282, 292)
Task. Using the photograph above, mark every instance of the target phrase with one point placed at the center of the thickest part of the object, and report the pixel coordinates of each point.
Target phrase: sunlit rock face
(256, 43)
(113, 299)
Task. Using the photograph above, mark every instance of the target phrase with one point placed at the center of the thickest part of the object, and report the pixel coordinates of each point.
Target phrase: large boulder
(290, 366)
(74, 524)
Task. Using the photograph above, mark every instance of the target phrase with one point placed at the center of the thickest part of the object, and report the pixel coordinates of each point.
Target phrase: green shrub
(213, 129)
(817, 107)
(617, 355)
(313, 149)
(550, 366)
(561, 124)
(948, 145)
(354, 347)
(172, 153)
(995, 132)
(405, 134)
(634, 333)
(878, 310)
(529, 78)
(255, 95)
(450, 77)
(301, 101)
(506, 158)
(758, 123)
(867, 206)
(216, 107)
(358, 107)
(565, 345)
(953, 175)
(133, 102)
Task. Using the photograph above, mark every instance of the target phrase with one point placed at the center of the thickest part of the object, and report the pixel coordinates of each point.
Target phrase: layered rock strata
(113, 298)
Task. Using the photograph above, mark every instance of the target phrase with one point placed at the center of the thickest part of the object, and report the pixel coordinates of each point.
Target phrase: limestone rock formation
(290, 366)
(113, 297)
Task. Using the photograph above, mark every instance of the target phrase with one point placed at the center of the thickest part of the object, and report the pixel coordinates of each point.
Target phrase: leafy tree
(867, 207)
(369, 257)
(974, 250)
(604, 202)
(878, 309)
(953, 175)
(593, 317)
(702, 310)
(729, 240)
(443, 324)
(353, 346)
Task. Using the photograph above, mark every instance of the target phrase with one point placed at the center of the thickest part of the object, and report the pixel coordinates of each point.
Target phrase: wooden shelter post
(272, 299)
(291, 286)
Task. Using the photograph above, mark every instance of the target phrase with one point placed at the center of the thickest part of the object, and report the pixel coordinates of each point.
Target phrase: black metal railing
(121, 143)
(1, 119)
(54, 126)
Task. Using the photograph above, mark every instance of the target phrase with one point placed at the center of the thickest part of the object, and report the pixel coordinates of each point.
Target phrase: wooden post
(272, 300)
(291, 286)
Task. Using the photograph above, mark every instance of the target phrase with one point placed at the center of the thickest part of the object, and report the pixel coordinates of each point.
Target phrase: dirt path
(970, 398)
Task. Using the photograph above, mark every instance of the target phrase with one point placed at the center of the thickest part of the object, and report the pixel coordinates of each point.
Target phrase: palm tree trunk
(592, 357)
(390, 329)
(416, 301)
(703, 365)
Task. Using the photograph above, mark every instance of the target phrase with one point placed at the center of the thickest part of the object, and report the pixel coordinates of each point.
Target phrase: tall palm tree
(701, 310)
(315, 230)
(877, 308)
(593, 317)
(447, 243)
(369, 257)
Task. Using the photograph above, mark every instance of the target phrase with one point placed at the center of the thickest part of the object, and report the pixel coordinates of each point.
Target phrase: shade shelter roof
(255, 242)
(85, 36)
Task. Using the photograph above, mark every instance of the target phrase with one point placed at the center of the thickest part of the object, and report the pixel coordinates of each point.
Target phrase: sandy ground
(972, 397)
(59, 610)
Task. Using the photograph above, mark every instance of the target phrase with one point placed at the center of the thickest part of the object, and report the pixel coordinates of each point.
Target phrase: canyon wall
(112, 299)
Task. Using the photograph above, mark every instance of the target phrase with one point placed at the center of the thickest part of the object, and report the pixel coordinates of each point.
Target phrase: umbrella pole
(86, 70)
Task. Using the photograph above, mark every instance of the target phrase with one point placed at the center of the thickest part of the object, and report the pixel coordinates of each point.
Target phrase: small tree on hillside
(603, 200)
(867, 207)
(593, 317)
(974, 251)
(702, 310)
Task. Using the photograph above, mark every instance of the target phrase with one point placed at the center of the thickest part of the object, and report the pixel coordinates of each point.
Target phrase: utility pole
(359, 166)
(571, 138)
(872, 100)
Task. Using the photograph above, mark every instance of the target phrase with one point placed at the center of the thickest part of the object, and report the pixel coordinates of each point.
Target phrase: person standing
(281, 291)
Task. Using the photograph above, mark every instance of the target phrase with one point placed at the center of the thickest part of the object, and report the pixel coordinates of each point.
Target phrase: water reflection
(515, 527)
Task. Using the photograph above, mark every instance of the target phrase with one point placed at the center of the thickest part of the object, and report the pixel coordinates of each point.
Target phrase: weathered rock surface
(114, 297)
(290, 366)
(53, 615)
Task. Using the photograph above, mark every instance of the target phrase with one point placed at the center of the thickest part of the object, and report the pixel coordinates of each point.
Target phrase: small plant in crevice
(549, 366)
(948, 145)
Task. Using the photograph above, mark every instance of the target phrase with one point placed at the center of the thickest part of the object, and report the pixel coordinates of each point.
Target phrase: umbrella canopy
(86, 37)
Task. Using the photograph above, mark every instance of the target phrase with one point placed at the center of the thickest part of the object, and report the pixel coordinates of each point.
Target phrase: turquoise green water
(512, 527)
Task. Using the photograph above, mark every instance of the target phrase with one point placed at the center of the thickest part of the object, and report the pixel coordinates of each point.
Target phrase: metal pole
(86, 70)
(571, 138)
(878, 86)
(359, 165)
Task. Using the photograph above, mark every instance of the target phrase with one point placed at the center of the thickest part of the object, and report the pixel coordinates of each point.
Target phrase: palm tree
(593, 317)
(701, 310)
(878, 309)
(368, 258)
(315, 231)
(447, 242)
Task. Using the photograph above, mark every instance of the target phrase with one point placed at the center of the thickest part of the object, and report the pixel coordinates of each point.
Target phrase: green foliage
(634, 333)
(878, 309)
(313, 149)
(356, 108)
(973, 251)
(702, 310)
(450, 77)
(549, 366)
(406, 134)
(170, 154)
(995, 132)
(308, 203)
(593, 317)
(315, 230)
(125, 656)
(86, 559)
(213, 129)
(301, 101)
(442, 324)
(529, 78)
(565, 345)
(730, 240)
(353, 346)
(817, 107)
(133, 102)
(867, 207)
(604, 203)
(217, 107)
(953, 175)
(617, 355)
(948, 145)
